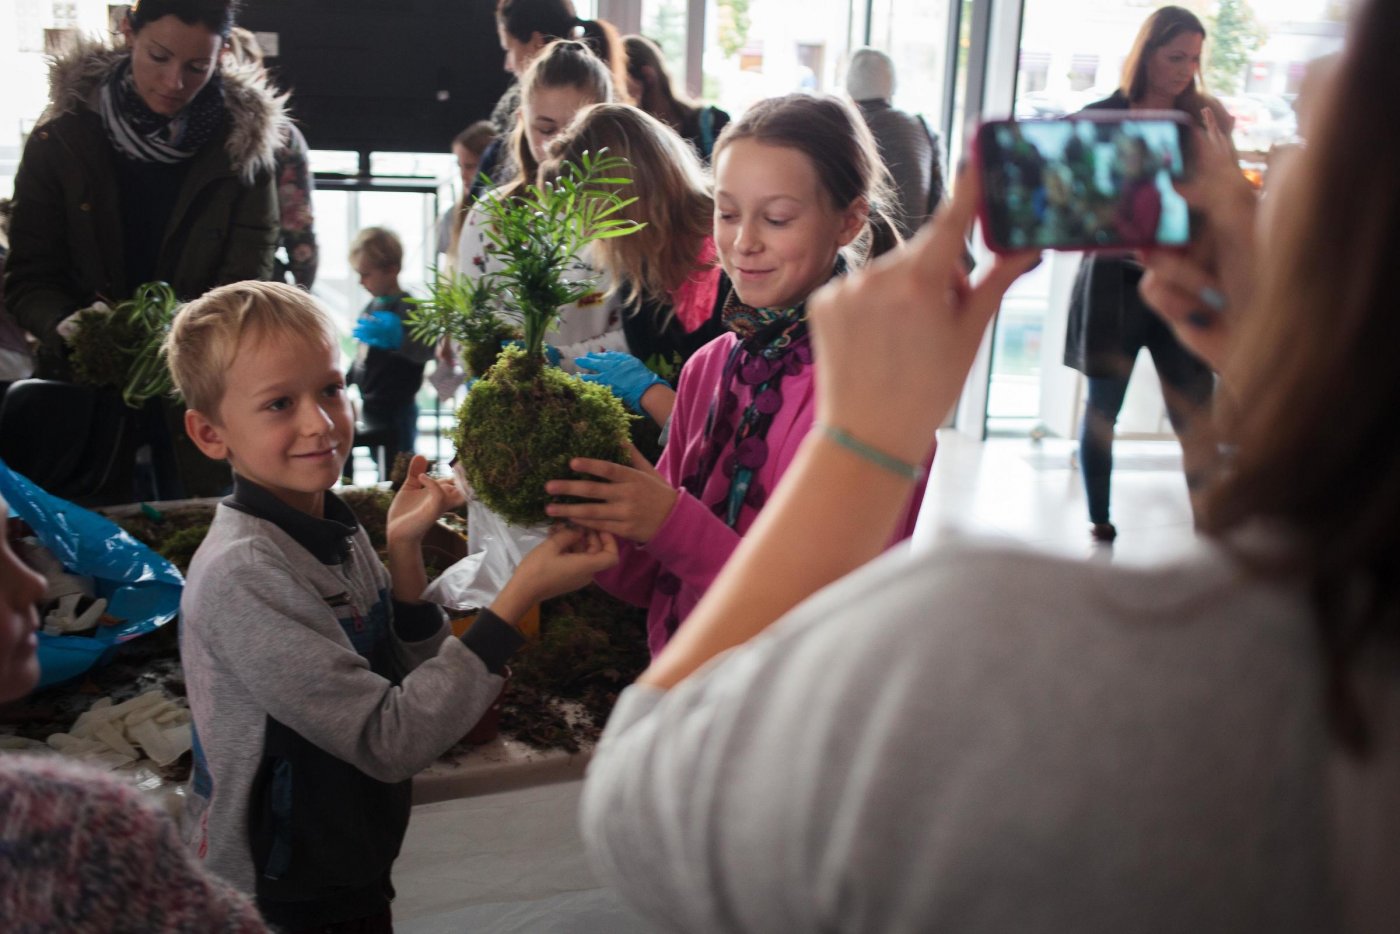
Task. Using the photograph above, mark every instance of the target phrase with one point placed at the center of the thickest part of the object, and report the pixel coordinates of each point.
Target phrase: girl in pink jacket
(797, 181)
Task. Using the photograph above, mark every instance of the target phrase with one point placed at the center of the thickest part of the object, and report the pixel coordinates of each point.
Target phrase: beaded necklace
(773, 344)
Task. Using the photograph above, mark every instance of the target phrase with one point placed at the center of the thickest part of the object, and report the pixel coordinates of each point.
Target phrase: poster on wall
(116, 12)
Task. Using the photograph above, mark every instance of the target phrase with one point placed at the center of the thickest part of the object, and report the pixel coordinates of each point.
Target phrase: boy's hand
(563, 562)
(418, 504)
(68, 327)
(382, 329)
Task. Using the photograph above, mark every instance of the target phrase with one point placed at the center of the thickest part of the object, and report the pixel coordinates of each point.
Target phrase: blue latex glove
(382, 329)
(552, 356)
(624, 374)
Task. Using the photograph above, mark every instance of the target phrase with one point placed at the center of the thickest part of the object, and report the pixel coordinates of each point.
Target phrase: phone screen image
(1083, 183)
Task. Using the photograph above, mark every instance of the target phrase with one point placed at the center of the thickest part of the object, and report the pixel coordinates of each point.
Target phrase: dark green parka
(66, 233)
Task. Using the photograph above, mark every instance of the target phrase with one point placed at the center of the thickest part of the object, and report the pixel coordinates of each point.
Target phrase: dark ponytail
(557, 19)
(602, 37)
(553, 19)
(884, 235)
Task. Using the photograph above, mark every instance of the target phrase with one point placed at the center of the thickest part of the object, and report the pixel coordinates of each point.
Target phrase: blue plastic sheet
(142, 588)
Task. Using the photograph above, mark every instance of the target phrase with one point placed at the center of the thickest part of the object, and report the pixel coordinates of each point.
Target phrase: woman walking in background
(1108, 323)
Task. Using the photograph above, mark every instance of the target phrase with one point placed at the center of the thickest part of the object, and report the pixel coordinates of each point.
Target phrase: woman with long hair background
(1108, 323)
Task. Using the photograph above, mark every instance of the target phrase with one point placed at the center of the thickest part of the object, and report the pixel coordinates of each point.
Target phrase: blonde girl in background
(667, 275)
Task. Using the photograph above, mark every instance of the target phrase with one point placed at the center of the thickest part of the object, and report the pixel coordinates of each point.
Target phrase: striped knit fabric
(82, 853)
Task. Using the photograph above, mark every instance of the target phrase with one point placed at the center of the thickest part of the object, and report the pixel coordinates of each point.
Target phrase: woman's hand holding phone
(1098, 180)
(896, 340)
(1201, 290)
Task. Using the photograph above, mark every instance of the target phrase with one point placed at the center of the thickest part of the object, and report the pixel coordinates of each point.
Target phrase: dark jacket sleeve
(252, 234)
(937, 187)
(40, 290)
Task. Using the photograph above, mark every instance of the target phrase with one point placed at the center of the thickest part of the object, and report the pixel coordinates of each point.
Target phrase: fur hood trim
(258, 118)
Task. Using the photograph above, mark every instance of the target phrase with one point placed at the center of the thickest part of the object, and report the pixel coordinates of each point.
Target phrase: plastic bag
(494, 550)
(141, 587)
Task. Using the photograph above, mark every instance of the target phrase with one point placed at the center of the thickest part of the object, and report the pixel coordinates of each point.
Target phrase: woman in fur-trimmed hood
(153, 161)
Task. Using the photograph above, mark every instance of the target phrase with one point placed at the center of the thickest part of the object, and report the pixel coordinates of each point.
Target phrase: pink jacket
(670, 573)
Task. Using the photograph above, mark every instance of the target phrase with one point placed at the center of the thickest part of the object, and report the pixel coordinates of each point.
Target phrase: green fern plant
(123, 348)
(464, 311)
(522, 422)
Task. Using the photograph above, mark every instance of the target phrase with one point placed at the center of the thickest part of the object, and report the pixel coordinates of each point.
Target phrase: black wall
(387, 75)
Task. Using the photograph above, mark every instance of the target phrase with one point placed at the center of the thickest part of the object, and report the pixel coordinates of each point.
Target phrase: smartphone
(1095, 181)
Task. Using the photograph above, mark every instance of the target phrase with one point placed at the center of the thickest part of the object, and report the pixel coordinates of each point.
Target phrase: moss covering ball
(481, 356)
(522, 423)
(103, 348)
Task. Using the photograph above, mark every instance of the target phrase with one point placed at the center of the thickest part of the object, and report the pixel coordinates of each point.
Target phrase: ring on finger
(1213, 298)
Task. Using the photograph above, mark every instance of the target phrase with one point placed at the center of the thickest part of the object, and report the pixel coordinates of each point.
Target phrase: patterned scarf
(142, 135)
(773, 344)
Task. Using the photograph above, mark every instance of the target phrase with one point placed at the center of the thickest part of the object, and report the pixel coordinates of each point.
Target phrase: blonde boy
(319, 681)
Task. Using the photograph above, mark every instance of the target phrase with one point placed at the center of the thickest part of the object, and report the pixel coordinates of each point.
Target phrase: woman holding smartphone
(1108, 323)
(980, 738)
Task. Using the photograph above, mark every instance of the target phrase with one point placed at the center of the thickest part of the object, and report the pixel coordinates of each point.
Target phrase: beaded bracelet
(894, 465)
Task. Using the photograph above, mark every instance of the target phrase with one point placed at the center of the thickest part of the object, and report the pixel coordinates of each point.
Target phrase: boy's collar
(327, 539)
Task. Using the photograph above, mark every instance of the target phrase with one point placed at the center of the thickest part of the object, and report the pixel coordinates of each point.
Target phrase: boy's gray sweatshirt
(315, 698)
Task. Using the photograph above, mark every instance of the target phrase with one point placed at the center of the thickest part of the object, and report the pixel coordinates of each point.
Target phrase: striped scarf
(142, 135)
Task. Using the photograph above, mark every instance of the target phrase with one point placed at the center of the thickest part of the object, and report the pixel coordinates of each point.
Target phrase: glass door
(916, 36)
(753, 49)
(1071, 53)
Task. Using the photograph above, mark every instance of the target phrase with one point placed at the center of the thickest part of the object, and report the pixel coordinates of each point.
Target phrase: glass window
(764, 48)
(341, 214)
(414, 164)
(1072, 53)
(664, 22)
(1083, 72)
(339, 161)
(916, 36)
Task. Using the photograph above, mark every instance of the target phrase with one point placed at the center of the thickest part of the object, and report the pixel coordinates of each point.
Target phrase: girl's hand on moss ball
(631, 502)
(563, 562)
(418, 504)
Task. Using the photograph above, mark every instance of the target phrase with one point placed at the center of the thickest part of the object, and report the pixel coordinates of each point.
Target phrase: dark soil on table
(561, 690)
(591, 646)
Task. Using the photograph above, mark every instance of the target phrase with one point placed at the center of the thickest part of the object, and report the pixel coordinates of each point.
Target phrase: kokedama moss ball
(102, 348)
(523, 422)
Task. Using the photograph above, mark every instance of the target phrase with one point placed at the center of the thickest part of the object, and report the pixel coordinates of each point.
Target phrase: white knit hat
(870, 75)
